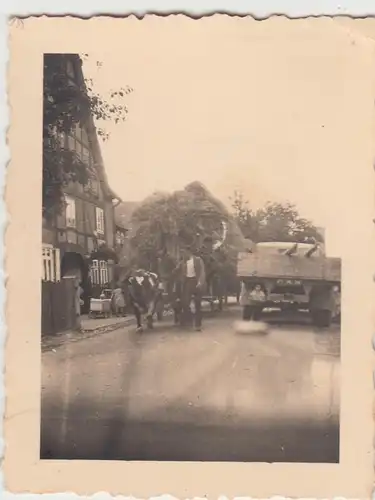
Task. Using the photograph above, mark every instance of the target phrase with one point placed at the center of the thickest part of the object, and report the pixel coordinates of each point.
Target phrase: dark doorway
(73, 264)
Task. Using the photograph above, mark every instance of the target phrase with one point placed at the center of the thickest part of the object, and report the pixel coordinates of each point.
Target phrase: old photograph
(189, 257)
(191, 284)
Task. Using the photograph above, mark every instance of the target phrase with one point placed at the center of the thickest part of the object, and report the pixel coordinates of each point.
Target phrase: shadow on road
(308, 442)
(79, 428)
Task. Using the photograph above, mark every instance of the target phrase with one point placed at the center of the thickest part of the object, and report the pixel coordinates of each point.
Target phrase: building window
(86, 155)
(103, 268)
(78, 141)
(92, 186)
(120, 238)
(94, 272)
(62, 139)
(85, 137)
(70, 212)
(71, 143)
(99, 220)
(99, 272)
(50, 263)
(77, 131)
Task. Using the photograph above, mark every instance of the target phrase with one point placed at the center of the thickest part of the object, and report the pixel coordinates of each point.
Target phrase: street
(172, 394)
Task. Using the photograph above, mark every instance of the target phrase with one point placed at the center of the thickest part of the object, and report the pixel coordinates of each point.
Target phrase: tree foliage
(167, 222)
(274, 222)
(67, 102)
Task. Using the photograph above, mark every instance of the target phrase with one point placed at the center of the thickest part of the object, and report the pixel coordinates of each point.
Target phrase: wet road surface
(214, 395)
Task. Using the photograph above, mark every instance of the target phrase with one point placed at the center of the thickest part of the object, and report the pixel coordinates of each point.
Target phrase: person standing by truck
(252, 301)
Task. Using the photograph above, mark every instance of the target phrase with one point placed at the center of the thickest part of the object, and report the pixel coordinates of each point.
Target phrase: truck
(295, 277)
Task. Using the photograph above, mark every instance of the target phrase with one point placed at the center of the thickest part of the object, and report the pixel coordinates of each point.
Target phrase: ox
(143, 290)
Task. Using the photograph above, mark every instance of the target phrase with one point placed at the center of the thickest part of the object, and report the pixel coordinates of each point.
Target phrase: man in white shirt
(193, 279)
(190, 268)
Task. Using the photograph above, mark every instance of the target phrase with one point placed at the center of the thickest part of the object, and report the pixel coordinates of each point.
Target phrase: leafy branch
(273, 222)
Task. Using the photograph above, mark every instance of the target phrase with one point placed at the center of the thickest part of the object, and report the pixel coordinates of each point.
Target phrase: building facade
(73, 238)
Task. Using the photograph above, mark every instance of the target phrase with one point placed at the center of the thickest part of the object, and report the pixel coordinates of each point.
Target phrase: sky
(228, 107)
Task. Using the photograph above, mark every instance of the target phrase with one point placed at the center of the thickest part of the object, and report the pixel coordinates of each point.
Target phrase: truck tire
(322, 318)
(258, 313)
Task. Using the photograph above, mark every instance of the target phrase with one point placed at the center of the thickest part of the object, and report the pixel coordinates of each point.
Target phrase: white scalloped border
(4, 152)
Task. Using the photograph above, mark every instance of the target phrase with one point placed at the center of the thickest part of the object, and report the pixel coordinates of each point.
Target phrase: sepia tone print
(201, 194)
(181, 325)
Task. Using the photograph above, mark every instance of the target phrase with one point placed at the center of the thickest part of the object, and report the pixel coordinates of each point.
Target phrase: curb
(69, 337)
(54, 342)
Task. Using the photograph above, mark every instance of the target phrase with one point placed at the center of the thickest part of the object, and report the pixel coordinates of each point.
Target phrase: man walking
(193, 279)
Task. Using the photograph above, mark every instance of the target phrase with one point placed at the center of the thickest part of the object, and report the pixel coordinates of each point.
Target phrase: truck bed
(292, 267)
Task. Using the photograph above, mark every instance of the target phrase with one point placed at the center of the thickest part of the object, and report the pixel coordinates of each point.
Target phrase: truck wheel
(326, 319)
(322, 318)
(258, 314)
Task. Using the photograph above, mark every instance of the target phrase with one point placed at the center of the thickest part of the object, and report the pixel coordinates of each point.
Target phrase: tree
(67, 102)
(274, 222)
(164, 223)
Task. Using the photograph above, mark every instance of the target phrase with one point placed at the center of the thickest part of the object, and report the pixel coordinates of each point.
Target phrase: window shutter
(94, 272)
(85, 156)
(71, 143)
(100, 220)
(103, 268)
(70, 212)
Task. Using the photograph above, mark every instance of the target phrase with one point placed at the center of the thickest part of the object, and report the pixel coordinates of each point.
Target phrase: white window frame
(94, 272)
(99, 216)
(103, 268)
(70, 212)
(99, 273)
(50, 263)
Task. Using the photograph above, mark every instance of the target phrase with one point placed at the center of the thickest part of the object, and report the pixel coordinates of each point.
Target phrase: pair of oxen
(146, 295)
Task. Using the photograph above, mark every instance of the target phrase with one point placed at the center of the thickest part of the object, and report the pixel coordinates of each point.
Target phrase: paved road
(184, 395)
